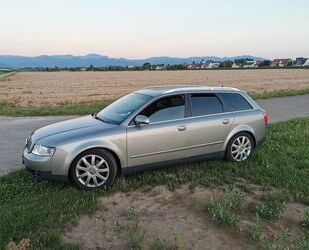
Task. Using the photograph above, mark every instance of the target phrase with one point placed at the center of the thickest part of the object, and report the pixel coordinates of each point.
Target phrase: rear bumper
(40, 166)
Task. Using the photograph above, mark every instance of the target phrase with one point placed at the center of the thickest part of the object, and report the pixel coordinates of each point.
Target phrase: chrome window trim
(131, 117)
(194, 117)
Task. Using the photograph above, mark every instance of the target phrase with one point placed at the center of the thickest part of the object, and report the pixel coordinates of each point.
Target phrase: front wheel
(93, 169)
(239, 147)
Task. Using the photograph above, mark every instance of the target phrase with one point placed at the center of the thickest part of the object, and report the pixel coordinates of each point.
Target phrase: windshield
(122, 108)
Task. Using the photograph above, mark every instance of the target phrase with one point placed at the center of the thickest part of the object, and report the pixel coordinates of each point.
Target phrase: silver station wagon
(149, 127)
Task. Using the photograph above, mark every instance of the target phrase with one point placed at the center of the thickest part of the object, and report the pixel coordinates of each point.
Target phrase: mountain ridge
(97, 60)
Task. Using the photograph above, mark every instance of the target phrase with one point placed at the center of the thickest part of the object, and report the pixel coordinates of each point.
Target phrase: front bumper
(40, 166)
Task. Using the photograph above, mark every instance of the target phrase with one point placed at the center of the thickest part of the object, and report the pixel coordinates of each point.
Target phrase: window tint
(169, 108)
(205, 104)
(235, 102)
(120, 109)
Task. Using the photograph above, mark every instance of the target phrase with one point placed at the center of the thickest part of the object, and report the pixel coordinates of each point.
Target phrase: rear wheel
(93, 169)
(239, 147)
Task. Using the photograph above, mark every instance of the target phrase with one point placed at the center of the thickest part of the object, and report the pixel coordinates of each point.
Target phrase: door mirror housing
(141, 119)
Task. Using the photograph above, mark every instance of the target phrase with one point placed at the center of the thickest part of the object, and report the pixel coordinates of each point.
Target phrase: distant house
(210, 65)
(192, 66)
(159, 67)
(251, 64)
(282, 62)
(300, 61)
(306, 64)
(5, 70)
(235, 65)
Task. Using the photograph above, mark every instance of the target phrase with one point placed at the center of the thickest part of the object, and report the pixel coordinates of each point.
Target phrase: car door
(208, 126)
(164, 138)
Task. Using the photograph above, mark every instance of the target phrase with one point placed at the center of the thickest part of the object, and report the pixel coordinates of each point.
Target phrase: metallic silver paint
(149, 143)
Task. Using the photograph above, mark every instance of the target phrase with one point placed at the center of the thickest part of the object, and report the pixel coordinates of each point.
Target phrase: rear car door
(164, 138)
(209, 124)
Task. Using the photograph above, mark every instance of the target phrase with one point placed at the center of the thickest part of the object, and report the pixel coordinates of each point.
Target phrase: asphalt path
(14, 130)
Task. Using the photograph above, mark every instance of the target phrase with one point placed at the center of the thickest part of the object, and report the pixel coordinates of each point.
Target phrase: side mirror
(141, 119)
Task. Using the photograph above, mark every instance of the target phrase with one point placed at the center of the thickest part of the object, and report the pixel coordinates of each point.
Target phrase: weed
(118, 227)
(256, 229)
(221, 209)
(280, 241)
(136, 235)
(272, 208)
(305, 218)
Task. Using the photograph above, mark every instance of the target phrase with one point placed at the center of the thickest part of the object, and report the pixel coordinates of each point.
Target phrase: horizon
(139, 29)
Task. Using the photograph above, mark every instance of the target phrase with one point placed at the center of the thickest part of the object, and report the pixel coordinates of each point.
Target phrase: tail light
(266, 118)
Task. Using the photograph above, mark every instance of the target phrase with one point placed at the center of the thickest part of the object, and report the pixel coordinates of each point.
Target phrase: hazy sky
(142, 28)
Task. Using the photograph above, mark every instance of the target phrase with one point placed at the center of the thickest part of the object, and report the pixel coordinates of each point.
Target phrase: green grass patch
(10, 109)
(305, 218)
(256, 229)
(222, 209)
(272, 208)
(41, 211)
(4, 75)
(280, 93)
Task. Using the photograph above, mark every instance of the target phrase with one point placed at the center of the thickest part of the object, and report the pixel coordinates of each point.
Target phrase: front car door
(164, 138)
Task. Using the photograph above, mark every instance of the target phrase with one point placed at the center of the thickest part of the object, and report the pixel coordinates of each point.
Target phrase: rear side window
(205, 104)
(235, 102)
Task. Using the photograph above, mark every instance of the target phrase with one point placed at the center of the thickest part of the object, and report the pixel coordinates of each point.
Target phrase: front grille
(29, 144)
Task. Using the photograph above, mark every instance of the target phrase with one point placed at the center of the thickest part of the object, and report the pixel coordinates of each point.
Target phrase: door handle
(226, 121)
(182, 128)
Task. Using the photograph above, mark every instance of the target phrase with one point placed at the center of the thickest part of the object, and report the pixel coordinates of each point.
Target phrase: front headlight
(43, 150)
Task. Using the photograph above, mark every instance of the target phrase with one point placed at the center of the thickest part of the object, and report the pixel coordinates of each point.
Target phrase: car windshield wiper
(94, 115)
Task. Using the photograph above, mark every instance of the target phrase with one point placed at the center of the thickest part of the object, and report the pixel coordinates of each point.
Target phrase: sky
(143, 28)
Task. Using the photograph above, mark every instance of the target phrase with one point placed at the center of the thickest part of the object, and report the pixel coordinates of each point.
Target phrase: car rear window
(205, 104)
(235, 102)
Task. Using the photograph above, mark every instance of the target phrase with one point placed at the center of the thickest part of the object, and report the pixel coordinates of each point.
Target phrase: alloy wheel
(92, 170)
(241, 148)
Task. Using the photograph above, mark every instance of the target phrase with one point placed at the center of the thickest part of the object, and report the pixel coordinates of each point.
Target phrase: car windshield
(122, 108)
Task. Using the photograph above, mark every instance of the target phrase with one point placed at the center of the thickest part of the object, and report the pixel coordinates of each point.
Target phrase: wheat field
(52, 88)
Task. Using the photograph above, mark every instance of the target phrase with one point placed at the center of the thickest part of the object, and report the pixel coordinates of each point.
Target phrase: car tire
(94, 168)
(240, 147)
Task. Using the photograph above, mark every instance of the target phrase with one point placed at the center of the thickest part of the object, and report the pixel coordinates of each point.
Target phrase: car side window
(165, 109)
(235, 102)
(205, 104)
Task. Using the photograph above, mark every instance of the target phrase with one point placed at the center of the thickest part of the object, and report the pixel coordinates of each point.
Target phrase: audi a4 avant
(149, 127)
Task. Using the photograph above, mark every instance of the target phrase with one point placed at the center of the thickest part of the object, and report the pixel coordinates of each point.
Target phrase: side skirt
(134, 169)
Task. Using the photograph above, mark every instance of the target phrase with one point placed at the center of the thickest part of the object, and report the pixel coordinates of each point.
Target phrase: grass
(305, 218)
(135, 232)
(280, 93)
(221, 210)
(272, 208)
(257, 229)
(41, 211)
(11, 109)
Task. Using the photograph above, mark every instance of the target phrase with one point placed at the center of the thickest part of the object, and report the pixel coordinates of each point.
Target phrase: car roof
(169, 89)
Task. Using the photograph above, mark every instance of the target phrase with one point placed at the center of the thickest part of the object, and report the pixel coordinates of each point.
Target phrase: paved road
(13, 131)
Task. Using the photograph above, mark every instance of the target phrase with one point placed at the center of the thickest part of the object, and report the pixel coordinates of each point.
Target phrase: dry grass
(51, 88)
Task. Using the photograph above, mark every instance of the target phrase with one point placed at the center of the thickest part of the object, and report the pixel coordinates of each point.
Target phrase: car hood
(72, 127)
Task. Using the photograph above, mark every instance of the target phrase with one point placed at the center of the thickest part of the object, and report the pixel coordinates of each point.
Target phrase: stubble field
(34, 89)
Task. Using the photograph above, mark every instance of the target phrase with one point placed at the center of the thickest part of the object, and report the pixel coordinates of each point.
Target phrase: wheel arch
(240, 129)
(116, 154)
